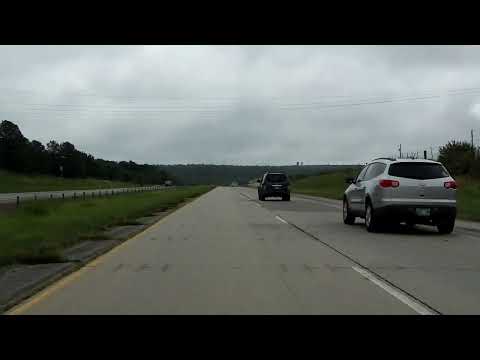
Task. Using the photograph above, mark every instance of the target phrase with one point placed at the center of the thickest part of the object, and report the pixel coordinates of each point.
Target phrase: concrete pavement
(227, 253)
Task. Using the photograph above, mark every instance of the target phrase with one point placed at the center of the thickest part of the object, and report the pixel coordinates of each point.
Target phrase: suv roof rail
(385, 158)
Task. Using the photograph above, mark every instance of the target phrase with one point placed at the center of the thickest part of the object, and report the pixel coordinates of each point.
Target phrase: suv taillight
(389, 183)
(450, 184)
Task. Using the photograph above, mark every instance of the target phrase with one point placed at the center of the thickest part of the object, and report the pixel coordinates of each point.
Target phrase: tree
(13, 147)
(69, 160)
(37, 158)
(457, 157)
(54, 159)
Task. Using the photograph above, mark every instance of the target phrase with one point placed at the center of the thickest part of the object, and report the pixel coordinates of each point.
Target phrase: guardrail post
(74, 196)
(112, 192)
(93, 194)
(18, 201)
(35, 197)
(63, 196)
(51, 196)
(84, 195)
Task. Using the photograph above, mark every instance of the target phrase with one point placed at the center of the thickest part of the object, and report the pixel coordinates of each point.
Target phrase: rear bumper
(280, 192)
(401, 213)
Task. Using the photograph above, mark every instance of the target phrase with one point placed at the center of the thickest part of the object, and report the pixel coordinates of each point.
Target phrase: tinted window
(374, 170)
(276, 178)
(420, 171)
(362, 173)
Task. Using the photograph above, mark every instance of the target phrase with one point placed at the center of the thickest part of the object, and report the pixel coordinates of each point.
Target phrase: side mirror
(350, 180)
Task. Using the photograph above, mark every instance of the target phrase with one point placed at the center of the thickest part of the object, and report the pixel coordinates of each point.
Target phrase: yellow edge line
(35, 299)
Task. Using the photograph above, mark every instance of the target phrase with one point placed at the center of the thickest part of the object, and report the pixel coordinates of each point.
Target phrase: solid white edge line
(417, 307)
(279, 218)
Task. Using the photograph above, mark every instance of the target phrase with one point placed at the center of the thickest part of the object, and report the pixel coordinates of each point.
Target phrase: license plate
(423, 212)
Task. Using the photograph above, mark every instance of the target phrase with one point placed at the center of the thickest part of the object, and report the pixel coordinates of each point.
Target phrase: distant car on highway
(274, 185)
(402, 190)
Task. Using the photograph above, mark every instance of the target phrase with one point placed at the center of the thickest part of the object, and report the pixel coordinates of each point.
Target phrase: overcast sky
(242, 104)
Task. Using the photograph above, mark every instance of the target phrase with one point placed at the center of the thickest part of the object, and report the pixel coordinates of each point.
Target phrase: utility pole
(400, 150)
(473, 148)
(431, 152)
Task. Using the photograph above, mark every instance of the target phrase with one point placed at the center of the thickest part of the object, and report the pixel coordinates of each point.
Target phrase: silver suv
(402, 190)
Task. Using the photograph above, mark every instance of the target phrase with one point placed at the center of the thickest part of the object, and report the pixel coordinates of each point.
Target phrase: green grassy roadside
(333, 185)
(11, 182)
(330, 185)
(38, 231)
(468, 198)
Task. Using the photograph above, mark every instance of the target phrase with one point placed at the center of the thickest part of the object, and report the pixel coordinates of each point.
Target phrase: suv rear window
(420, 171)
(276, 178)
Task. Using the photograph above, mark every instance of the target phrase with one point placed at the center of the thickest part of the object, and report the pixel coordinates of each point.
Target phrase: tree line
(19, 154)
(190, 174)
(460, 158)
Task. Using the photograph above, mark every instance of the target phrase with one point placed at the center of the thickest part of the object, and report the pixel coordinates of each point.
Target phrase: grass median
(333, 185)
(12, 182)
(38, 231)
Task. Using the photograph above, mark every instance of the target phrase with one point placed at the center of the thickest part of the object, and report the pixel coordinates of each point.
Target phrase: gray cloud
(241, 104)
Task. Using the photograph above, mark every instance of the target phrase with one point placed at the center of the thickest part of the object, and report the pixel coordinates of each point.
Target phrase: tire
(348, 218)
(446, 227)
(286, 198)
(371, 221)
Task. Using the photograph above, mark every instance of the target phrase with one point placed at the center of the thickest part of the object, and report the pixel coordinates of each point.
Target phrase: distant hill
(226, 174)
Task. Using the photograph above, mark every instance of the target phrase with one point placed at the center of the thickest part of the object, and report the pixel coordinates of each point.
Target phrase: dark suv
(274, 184)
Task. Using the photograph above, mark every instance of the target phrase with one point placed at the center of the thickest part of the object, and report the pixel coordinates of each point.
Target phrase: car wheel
(446, 227)
(370, 218)
(348, 218)
(286, 198)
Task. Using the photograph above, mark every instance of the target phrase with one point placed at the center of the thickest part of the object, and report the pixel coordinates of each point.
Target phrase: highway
(11, 198)
(228, 253)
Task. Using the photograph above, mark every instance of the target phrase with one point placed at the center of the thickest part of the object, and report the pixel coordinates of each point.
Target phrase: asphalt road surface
(228, 253)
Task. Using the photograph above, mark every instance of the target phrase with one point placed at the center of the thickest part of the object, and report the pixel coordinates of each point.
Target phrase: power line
(163, 98)
(212, 109)
(216, 98)
(373, 102)
(215, 109)
(401, 97)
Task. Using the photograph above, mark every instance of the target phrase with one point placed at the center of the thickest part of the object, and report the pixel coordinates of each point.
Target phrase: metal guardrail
(17, 198)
